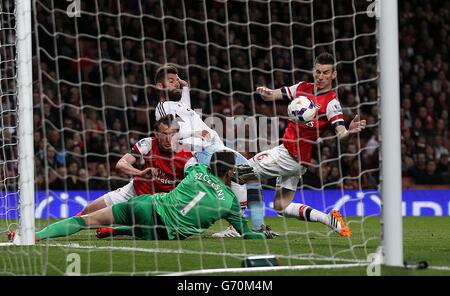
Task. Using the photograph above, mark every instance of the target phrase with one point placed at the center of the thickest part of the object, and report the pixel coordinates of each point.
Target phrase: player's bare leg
(283, 198)
(103, 232)
(96, 205)
(111, 198)
(103, 217)
(283, 204)
(253, 195)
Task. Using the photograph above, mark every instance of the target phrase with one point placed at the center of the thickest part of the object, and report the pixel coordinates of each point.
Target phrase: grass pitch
(299, 243)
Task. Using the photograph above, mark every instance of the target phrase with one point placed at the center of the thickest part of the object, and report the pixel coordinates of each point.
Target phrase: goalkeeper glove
(242, 173)
(263, 232)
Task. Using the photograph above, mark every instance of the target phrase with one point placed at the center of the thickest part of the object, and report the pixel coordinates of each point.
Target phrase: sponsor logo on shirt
(166, 181)
(337, 109)
(142, 143)
(310, 123)
(162, 177)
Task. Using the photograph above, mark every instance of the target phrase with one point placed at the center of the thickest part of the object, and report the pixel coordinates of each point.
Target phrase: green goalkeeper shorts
(140, 213)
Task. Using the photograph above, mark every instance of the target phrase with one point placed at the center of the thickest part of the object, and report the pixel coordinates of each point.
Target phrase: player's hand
(356, 125)
(148, 171)
(182, 82)
(265, 92)
(205, 135)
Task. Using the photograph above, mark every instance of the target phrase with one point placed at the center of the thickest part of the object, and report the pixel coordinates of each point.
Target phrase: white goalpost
(25, 122)
(391, 168)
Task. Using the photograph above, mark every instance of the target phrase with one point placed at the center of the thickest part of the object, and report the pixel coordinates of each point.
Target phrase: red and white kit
(285, 161)
(169, 171)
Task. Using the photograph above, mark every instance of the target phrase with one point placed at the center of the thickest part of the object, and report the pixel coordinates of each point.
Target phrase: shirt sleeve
(196, 137)
(185, 97)
(143, 146)
(164, 108)
(158, 111)
(334, 113)
(289, 92)
(190, 168)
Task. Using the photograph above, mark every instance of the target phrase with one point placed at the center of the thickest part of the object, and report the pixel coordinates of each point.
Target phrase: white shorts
(277, 162)
(119, 195)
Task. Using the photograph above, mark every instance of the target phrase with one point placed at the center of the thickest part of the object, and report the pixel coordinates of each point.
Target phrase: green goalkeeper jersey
(198, 202)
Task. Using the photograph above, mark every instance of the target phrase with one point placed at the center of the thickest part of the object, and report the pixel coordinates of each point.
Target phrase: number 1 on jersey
(193, 202)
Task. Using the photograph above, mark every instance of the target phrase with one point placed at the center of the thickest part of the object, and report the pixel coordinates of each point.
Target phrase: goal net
(95, 97)
(9, 163)
(16, 142)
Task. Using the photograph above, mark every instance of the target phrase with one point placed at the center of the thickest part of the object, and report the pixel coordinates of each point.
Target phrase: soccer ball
(302, 110)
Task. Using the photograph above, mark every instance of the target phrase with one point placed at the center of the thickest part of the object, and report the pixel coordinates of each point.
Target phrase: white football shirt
(189, 122)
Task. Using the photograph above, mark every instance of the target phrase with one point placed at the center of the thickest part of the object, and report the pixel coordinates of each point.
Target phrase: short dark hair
(325, 58)
(168, 120)
(162, 72)
(221, 162)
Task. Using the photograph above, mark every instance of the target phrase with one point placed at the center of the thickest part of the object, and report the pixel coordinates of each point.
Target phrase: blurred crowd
(94, 92)
(425, 91)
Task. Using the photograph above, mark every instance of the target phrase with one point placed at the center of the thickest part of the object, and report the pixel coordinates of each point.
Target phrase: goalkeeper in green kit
(202, 198)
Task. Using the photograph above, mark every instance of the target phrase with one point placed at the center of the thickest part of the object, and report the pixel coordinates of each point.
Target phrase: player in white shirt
(175, 99)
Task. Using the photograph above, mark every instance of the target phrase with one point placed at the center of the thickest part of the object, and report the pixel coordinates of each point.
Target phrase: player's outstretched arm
(355, 127)
(183, 83)
(185, 96)
(244, 230)
(204, 135)
(125, 164)
(269, 94)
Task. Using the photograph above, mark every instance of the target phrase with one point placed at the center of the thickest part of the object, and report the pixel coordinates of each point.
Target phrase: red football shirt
(170, 167)
(299, 138)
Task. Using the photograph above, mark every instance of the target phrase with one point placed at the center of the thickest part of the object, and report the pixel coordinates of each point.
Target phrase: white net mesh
(96, 97)
(12, 134)
(9, 206)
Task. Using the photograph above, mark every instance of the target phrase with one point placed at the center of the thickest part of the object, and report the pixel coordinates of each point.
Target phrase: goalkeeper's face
(324, 76)
(170, 87)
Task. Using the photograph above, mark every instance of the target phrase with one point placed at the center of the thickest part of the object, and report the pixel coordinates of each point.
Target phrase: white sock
(318, 216)
(241, 193)
(304, 212)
